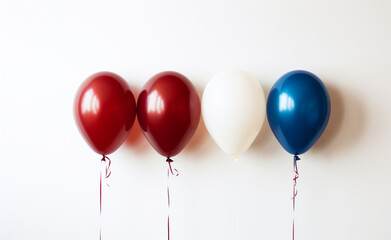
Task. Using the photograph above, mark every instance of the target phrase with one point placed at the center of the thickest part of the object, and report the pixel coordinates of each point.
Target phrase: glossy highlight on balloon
(298, 110)
(168, 110)
(104, 111)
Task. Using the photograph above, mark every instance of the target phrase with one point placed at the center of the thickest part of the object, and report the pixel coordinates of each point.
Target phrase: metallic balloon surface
(168, 110)
(104, 111)
(298, 110)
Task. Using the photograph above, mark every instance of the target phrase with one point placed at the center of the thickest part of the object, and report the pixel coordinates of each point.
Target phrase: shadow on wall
(347, 120)
(140, 145)
(199, 142)
(344, 129)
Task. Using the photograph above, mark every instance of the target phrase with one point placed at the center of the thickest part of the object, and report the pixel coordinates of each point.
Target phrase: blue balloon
(298, 110)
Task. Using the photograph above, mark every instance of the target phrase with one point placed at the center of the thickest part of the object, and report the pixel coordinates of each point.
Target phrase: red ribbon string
(296, 176)
(169, 161)
(170, 170)
(108, 173)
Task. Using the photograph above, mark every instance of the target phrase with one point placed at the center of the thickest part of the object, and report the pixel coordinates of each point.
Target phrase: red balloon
(104, 110)
(168, 110)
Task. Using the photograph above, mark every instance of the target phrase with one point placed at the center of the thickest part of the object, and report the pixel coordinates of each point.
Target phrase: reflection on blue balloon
(298, 110)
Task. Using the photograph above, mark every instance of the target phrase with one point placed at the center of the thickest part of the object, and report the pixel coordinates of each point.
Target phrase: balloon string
(169, 170)
(169, 161)
(106, 160)
(296, 176)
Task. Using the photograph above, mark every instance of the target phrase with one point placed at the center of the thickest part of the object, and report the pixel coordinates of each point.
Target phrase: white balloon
(234, 110)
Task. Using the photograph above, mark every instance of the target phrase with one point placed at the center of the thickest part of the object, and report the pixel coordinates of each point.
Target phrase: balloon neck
(236, 159)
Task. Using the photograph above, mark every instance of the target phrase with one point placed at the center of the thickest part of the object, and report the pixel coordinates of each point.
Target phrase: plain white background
(49, 177)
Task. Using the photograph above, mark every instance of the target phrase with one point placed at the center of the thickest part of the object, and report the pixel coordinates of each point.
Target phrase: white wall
(49, 177)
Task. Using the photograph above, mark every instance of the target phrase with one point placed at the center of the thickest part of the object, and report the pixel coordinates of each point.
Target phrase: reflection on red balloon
(168, 110)
(104, 111)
